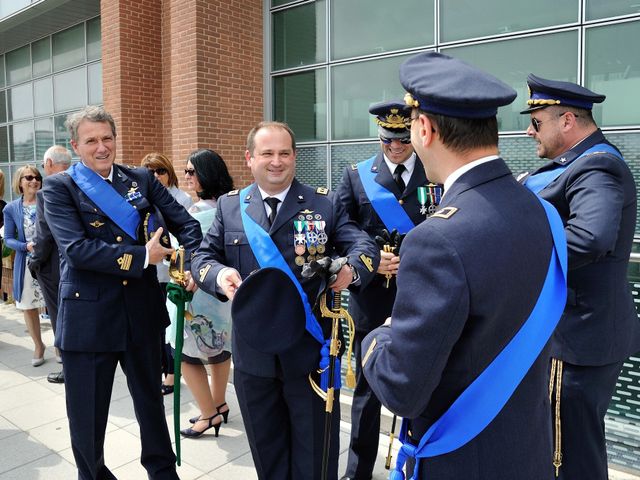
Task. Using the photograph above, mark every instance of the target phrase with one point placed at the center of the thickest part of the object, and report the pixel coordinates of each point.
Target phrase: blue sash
(383, 201)
(104, 196)
(479, 404)
(268, 255)
(539, 181)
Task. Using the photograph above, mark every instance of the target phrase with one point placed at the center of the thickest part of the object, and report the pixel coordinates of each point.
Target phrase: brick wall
(183, 74)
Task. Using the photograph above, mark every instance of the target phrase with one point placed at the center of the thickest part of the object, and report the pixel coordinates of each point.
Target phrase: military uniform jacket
(226, 244)
(107, 299)
(372, 305)
(469, 278)
(596, 199)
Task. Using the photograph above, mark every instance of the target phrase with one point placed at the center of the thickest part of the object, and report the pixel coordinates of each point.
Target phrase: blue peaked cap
(444, 85)
(393, 118)
(544, 93)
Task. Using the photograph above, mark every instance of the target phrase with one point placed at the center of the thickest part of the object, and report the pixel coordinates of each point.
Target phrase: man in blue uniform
(591, 186)
(44, 262)
(389, 191)
(104, 219)
(283, 416)
(458, 359)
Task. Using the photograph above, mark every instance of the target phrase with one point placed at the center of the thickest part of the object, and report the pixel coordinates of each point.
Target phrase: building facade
(180, 75)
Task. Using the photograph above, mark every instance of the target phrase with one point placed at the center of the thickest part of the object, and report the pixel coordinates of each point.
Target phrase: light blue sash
(104, 196)
(383, 201)
(479, 404)
(539, 181)
(268, 255)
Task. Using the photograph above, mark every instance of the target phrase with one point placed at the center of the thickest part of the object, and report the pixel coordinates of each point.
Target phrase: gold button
(135, 206)
(125, 282)
(235, 241)
(118, 238)
(401, 202)
(77, 294)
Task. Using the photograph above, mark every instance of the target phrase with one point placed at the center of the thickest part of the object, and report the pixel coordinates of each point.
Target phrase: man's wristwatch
(354, 274)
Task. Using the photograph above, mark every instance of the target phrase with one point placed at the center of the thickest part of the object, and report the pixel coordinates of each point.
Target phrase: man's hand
(343, 279)
(156, 251)
(30, 246)
(190, 284)
(389, 263)
(229, 281)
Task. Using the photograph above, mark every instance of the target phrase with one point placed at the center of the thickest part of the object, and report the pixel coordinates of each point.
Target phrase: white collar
(409, 164)
(108, 177)
(464, 169)
(280, 196)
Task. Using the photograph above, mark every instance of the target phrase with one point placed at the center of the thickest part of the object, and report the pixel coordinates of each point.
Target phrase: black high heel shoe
(225, 415)
(191, 433)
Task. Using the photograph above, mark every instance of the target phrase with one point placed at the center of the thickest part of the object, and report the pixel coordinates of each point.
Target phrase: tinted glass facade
(40, 84)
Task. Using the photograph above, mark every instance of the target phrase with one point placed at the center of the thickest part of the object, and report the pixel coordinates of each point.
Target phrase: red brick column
(183, 74)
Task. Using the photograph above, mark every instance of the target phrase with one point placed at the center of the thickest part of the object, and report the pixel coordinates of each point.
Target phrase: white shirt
(280, 196)
(456, 174)
(409, 164)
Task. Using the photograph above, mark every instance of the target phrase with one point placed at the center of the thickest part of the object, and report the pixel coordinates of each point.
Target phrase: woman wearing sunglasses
(164, 172)
(207, 330)
(19, 231)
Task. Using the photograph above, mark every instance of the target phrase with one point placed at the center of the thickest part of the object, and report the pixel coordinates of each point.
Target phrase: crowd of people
(492, 313)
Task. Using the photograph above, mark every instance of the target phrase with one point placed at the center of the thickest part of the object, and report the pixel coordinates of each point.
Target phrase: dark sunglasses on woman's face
(30, 178)
(189, 171)
(158, 171)
(387, 140)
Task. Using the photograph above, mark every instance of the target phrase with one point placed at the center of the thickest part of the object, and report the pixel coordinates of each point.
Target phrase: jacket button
(77, 294)
(235, 241)
(401, 201)
(125, 282)
(118, 238)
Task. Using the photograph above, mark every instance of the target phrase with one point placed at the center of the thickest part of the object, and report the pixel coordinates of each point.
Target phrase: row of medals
(309, 237)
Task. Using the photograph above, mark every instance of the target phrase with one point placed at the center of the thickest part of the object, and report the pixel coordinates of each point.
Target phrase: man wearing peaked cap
(430, 362)
(378, 194)
(591, 186)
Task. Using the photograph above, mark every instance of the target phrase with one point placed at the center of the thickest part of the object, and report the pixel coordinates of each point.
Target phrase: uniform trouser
(284, 420)
(585, 396)
(49, 289)
(88, 384)
(365, 422)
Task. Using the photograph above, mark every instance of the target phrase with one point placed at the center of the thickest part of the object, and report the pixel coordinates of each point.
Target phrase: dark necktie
(397, 177)
(273, 204)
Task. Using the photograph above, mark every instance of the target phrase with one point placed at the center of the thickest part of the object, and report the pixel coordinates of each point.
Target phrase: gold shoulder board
(233, 192)
(354, 166)
(322, 190)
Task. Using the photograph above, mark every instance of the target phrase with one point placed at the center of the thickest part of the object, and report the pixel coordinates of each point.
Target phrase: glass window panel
(360, 27)
(3, 106)
(95, 84)
(21, 142)
(355, 87)
(18, 65)
(613, 69)
(61, 133)
(506, 61)
(41, 54)
(2, 71)
(596, 9)
(70, 90)
(299, 36)
(7, 7)
(44, 136)
(311, 165)
(344, 155)
(6, 170)
(68, 48)
(20, 102)
(43, 96)
(459, 19)
(4, 145)
(276, 3)
(301, 101)
(94, 45)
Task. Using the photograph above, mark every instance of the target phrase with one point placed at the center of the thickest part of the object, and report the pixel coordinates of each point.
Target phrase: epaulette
(322, 190)
(354, 166)
(233, 192)
(131, 167)
(446, 213)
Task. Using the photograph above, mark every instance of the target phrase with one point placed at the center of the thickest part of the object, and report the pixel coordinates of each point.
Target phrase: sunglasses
(30, 178)
(159, 171)
(535, 123)
(189, 171)
(387, 141)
